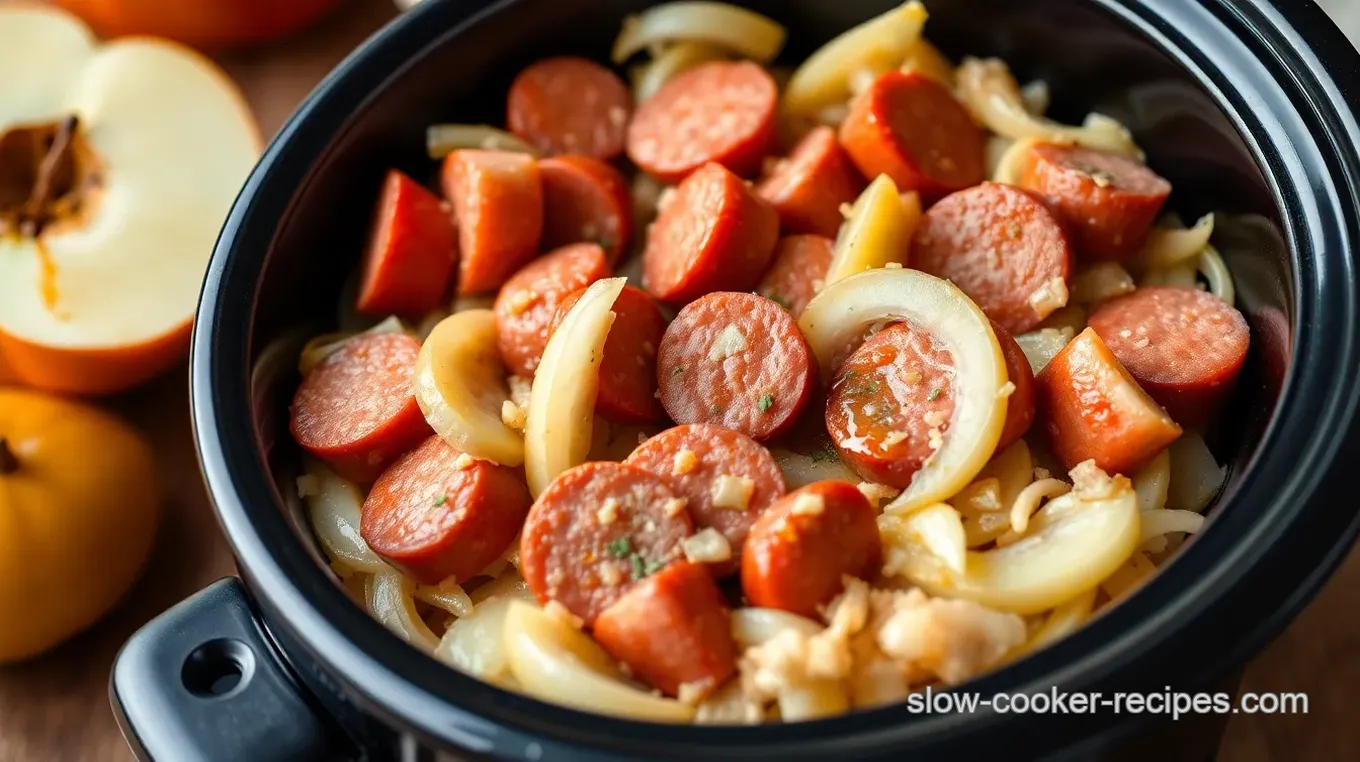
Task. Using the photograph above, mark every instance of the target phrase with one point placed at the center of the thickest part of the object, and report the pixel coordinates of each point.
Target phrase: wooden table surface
(56, 708)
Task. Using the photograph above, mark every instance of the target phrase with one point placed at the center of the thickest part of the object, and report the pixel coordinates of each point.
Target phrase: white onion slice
(1009, 163)
(878, 231)
(321, 347)
(389, 601)
(1211, 265)
(1176, 276)
(801, 470)
(877, 45)
(1151, 482)
(842, 311)
(460, 385)
(334, 508)
(1101, 282)
(1042, 345)
(725, 26)
(1129, 577)
(937, 528)
(1165, 247)
(443, 139)
(1195, 475)
(649, 77)
(1061, 622)
(752, 626)
(474, 643)
(812, 700)
(556, 662)
(1158, 523)
(561, 417)
(1036, 97)
(447, 595)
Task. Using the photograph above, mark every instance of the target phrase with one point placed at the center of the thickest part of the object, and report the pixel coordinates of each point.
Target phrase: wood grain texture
(56, 708)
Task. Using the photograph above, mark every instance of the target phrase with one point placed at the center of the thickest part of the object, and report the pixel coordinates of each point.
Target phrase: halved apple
(118, 164)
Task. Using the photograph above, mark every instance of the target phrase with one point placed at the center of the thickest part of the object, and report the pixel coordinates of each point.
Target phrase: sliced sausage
(736, 360)
(714, 234)
(438, 514)
(1003, 247)
(808, 188)
(890, 403)
(570, 105)
(1093, 409)
(526, 304)
(411, 251)
(673, 630)
(911, 128)
(597, 530)
(799, 269)
(722, 112)
(1107, 201)
(356, 409)
(585, 199)
(1020, 405)
(1185, 347)
(627, 388)
(802, 546)
(726, 478)
(498, 204)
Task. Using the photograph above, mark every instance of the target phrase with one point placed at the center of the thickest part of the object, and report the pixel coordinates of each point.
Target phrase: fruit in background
(79, 508)
(118, 164)
(205, 24)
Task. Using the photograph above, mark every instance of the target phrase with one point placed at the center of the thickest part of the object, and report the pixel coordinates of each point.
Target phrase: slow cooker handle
(202, 683)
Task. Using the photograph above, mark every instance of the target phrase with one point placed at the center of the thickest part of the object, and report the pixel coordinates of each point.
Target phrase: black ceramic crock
(1243, 104)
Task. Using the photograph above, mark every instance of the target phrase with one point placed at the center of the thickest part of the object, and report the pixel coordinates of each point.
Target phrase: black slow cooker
(1245, 105)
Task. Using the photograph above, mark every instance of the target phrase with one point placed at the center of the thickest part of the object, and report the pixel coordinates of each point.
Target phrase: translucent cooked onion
(1158, 523)
(465, 303)
(878, 231)
(928, 60)
(649, 77)
(1041, 346)
(561, 417)
(1195, 475)
(801, 470)
(1151, 482)
(1061, 622)
(877, 45)
(812, 700)
(1129, 577)
(1101, 282)
(1176, 276)
(447, 595)
(1211, 265)
(992, 94)
(718, 24)
(475, 642)
(321, 347)
(843, 310)
(752, 626)
(1036, 97)
(555, 662)
(389, 601)
(1009, 163)
(1165, 247)
(460, 386)
(936, 528)
(986, 504)
(443, 139)
(333, 506)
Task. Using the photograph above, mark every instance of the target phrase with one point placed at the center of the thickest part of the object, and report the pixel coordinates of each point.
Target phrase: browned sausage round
(808, 188)
(585, 199)
(802, 546)
(696, 459)
(1107, 201)
(356, 410)
(570, 105)
(526, 304)
(799, 269)
(1020, 405)
(1185, 347)
(1001, 246)
(736, 360)
(715, 234)
(672, 629)
(411, 251)
(627, 372)
(597, 530)
(498, 202)
(437, 515)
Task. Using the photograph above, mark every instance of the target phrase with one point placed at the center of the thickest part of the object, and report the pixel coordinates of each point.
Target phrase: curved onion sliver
(840, 313)
(1151, 483)
(878, 45)
(1195, 475)
(1100, 283)
(927, 59)
(1129, 577)
(1177, 276)
(321, 347)
(1009, 163)
(389, 601)
(557, 433)
(992, 94)
(447, 595)
(752, 626)
(878, 231)
(812, 700)
(649, 77)
(1042, 345)
(510, 583)
(985, 505)
(443, 139)
(334, 508)
(1211, 265)
(1028, 501)
(460, 386)
(725, 26)
(1165, 247)
(556, 662)
(1158, 523)
(936, 528)
(1061, 622)
(474, 643)
(1036, 97)
(1055, 563)
(801, 470)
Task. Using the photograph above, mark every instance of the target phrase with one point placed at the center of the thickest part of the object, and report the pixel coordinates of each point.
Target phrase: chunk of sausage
(627, 387)
(570, 105)
(1003, 247)
(891, 402)
(807, 188)
(802, 546)
(722, 112)
(1020, 405)
(411, 251)
(356, 409)
(726, 478)
(585, 199)
(526, 304)
(1107, 201)
(438, 513)
(1093, 409)
(798, 272)
(912, 129)
(597, 530)
(498, 203)
(736, 360)
(714, 234)
(1185, 347)
(673, 630)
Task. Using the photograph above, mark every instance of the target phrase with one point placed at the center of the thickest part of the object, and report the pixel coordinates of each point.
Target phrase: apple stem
(8, 462)
(38, 200)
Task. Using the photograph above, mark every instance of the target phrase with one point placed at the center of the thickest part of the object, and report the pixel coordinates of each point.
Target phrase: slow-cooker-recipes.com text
(1175, 704)
(765, 394)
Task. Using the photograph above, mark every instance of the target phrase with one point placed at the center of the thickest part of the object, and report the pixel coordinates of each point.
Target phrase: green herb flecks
(620, 548)
(715, 409)
(441, 500)
(935, 393)
(766, 402)
(677, 370)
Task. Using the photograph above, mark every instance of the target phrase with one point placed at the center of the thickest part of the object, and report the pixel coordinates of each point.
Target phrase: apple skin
(94, 372)
(208, 25)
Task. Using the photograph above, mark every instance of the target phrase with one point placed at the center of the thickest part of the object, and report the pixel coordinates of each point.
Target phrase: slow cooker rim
(235, 470)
